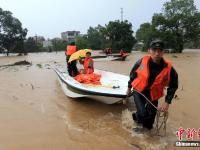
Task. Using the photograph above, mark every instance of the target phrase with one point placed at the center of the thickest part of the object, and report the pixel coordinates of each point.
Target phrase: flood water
(36, 115)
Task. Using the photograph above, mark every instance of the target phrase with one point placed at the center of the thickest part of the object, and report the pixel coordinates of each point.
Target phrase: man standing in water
(149, 76)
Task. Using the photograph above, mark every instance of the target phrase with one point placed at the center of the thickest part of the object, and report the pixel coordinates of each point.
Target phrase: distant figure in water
(108, 51)
(150, 76)
(123, 54)
(88, 64)
(71, 66)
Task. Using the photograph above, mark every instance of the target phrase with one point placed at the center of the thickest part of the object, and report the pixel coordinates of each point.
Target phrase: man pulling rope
(150, 76)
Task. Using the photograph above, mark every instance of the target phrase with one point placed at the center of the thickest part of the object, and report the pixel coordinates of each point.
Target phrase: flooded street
(35, 113)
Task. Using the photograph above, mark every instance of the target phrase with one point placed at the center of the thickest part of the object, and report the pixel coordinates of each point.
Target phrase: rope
(146, 99)
(163, 124)
(159, 115)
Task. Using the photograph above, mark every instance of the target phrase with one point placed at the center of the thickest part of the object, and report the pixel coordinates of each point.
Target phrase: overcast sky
(49, 18)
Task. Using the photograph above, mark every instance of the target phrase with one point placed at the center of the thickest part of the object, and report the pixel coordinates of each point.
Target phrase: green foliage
(175, 21)
(12, 34)
(120, 35)
(192, 38)
(116, 35)
(144, 35)
(95, 37)
(30, 45)
(81, 42)
(58, 45)
(176, 25)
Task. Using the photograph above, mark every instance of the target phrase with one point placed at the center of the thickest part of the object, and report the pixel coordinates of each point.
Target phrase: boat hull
(107, 94)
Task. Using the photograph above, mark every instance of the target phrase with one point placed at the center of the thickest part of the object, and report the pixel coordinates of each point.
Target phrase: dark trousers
(72, 69)
(145, 113)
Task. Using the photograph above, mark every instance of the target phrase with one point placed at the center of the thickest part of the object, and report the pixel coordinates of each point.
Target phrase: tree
(120, 35)
(176, 21)
(193, 31)
(144, 34)
(117, 35)
(95, 37)
(81, 42)
(30, 45)
(12, 34)
(58, 44)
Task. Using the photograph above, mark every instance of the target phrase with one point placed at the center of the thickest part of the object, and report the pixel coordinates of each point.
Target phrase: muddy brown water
(36, 115)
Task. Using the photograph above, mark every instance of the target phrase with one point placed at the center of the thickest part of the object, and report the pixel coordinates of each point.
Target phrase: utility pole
(121, 14)
(36, 39)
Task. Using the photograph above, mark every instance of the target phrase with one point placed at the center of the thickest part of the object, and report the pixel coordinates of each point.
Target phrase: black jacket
(155, 69)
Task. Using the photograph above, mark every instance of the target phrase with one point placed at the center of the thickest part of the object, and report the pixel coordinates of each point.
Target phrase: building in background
(69, 36)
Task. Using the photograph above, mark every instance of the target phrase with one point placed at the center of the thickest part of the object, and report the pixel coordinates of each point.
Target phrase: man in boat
(71, 66)
(88, 64)
(149, 77)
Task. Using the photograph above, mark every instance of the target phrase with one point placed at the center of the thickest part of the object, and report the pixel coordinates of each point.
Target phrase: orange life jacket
(86, 65)
(70, 50)
(160, 82)
(91, 78)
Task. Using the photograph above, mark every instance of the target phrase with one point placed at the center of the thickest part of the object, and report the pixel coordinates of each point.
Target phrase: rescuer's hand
(164, 107)
(128, 92)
